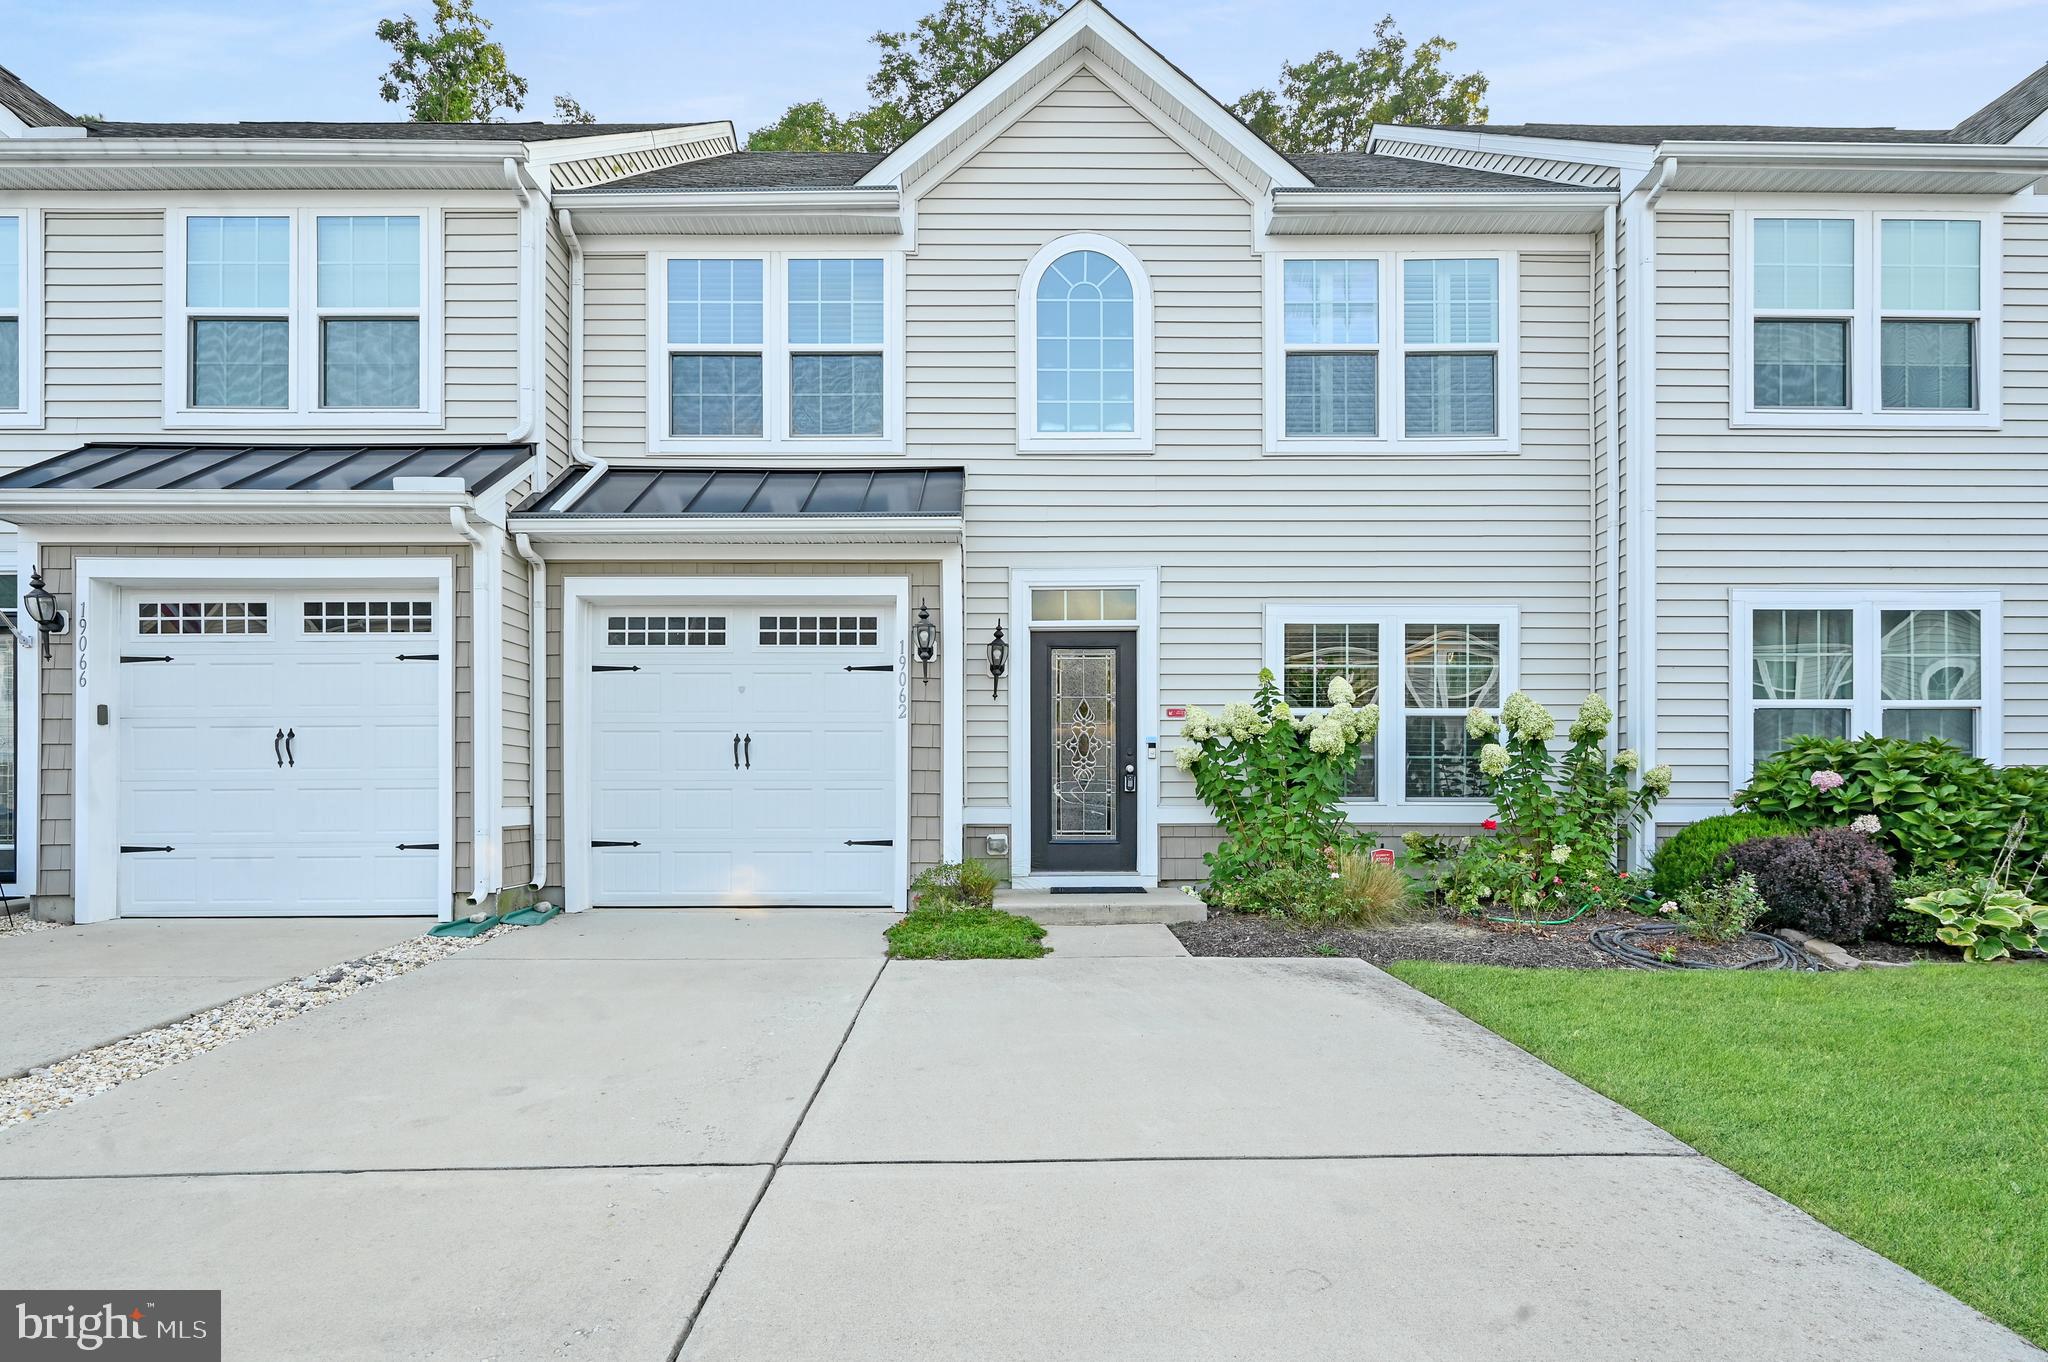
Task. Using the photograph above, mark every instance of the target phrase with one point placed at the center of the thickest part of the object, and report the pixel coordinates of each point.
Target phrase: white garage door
(743, 754)
(277, 753)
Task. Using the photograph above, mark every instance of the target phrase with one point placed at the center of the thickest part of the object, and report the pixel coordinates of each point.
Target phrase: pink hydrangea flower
(1826, 780)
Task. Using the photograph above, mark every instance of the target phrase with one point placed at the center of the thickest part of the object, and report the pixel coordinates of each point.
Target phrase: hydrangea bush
(1275, 779)
(1561, 818)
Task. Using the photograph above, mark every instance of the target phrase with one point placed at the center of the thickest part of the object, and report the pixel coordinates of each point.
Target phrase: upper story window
(1085, 349)
(21, 317)
(303, 317)
(1867, 318)
(1391, 350)
(778, 349)
(1838, 664)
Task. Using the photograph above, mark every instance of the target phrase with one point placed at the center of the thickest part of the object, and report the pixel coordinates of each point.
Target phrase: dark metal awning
(705, 492)
(264, 468)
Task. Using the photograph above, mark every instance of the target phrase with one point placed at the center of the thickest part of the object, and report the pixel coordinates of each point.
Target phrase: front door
(1084, 751)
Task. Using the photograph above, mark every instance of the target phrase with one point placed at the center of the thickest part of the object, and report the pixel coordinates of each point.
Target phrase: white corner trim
(1144, 709)
(1639, 262)
(952, 702)
(581, 594)
(1029, 437)
(97, 586)
(28, 750)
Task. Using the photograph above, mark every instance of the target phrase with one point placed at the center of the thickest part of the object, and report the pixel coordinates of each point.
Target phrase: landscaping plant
(1834, 883)
(1690, 858)
(1933, 803)
(1373, 892)
(1991, 916)
(955, 884)
(1910, 928)
(1275, 779)
(957, 933)
(1551, 851)
(1719, 911)
(1306, 893)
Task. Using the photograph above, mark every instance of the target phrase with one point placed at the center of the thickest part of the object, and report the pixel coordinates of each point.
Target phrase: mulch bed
(1457, 940)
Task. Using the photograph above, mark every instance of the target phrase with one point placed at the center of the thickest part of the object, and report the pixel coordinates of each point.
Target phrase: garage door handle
(277, 747)
(128, 849)
(290, 736)
(873, 842)
(877, 667)
(419, 846)
(750, 751)
(735, 751)
(615, 844)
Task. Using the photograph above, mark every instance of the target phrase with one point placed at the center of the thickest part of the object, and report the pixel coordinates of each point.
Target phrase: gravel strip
(22, 924)
(92, 1072)
(1449, 939)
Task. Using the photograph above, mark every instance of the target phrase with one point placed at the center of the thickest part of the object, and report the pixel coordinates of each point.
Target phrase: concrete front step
(1094, 910)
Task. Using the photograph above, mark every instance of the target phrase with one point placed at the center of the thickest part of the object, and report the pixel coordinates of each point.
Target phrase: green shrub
(1907, 927)
(1723, 910)
(1690, 857)
(1832, 882)
(1983, 920)
(958, 933)
(954, 884)
(1934, 803)
(1275, 779)
(1305, 893)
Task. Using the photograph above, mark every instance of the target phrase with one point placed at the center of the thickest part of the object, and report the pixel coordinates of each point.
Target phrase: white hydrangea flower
(1526, 720)
(1199, 726)
(1480, 724)
(1365, 722)
(1626, 759)
(1341, 692)
(1866, 824)
(1186, 756)
(1657, 780)
(1326, 738)
(1594, 717)
(1493, 760)
(1560, 854)
(1282, 710)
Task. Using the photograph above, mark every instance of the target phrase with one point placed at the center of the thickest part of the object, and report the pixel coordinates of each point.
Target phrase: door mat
(1098, 889)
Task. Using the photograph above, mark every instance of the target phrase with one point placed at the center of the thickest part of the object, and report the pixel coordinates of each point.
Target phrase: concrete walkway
(72, 988)
(744, 1136)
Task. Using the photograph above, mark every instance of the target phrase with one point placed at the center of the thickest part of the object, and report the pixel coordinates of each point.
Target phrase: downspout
(536, 624)
(487, 790)
(576, 450)
(531, 365)
(1611, 345)
(1642, 484)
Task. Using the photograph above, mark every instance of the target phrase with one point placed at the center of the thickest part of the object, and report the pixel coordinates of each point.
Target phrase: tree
(920, 73)
(456, 74)
(1329, 103)
(568, 110)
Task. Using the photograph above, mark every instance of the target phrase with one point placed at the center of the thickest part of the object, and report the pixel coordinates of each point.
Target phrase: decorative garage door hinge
(419, 846)
(602, 668)
(166, 658)
(129, 849)
(615, 844)
(873, 842)
(877, 667)
(419, 657)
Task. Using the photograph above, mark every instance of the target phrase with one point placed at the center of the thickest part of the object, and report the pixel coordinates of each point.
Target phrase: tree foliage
(569, 110)
(921, 71)
(1330, 102)
(453, 74)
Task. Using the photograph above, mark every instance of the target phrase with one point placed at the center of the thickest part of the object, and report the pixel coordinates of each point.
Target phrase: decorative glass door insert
(1083, 736)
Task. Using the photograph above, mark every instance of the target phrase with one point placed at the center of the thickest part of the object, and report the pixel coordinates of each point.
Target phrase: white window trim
(302, 407)
(1392, 619)
(1030, 439)
(1393, 349)
(776, 351)
(30, 413)
(1865, 411)
(1866, 707)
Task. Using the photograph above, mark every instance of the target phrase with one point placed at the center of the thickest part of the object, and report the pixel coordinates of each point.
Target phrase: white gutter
(537, 702)
(576, 450)
(1666, 177)
(31, 505)
(117, 151)
(881, 200)
(487, 683)
(1521, 200)
(745, 529)
(532, 370)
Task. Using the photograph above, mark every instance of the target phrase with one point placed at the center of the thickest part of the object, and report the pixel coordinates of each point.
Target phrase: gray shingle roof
(264, 468)
(743, 491)
(1363, 170)
(2004, 117)
(394, 132)
(757, 170)
(30, 107)
(1650, 134)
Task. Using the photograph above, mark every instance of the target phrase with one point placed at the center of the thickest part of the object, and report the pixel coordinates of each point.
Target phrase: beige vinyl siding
(926, 712)
(517, 701)
(1918, 510)
(557, 360)
(60, 687)
(616, 403)
(1228, 529)
(481, 284)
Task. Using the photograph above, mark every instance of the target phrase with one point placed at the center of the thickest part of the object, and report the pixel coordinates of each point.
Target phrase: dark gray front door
(1084, 751)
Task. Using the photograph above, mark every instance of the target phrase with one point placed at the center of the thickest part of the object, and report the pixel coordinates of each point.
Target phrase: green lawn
(1906, 1108)
(965, 934)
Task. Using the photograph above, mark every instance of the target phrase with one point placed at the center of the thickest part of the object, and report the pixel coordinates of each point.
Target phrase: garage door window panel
(369, 617)
(155, 619)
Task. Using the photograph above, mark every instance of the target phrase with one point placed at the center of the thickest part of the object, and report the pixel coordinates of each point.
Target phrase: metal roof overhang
(1344, 212)
(741, 529)
(734, 212)
(181, 163)
(1838, 168)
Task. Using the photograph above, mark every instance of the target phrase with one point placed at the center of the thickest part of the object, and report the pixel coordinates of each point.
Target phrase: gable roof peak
(30, 107)
(2010, 114)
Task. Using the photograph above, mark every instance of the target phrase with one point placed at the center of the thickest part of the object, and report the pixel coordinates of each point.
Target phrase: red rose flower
(1491, 825)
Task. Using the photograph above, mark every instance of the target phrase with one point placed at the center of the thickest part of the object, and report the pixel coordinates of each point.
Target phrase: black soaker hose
(1616, 941)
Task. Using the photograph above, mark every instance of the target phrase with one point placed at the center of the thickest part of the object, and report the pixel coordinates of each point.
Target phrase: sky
(1903, 63)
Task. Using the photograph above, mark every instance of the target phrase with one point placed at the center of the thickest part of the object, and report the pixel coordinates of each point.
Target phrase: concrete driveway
(743, 1136)
(72, 988)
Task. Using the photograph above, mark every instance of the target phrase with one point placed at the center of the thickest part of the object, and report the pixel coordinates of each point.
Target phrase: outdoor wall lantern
(998, 662)
(42, 609)
(924, 635)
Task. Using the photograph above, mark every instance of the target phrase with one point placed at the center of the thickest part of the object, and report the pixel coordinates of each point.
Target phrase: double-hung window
(10, 314)
(1426, 670)
(21, 311)
(786, 350)
(1391, 350)
(303, 317)
(1866, 318)
(1836, 665)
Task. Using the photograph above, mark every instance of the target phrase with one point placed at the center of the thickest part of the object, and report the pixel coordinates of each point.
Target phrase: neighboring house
(442, 510)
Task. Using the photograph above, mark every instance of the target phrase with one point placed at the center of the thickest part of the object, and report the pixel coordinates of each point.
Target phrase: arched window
(1086, 352)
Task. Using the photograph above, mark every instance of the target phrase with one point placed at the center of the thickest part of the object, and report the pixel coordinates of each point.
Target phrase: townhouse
(425, 513)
